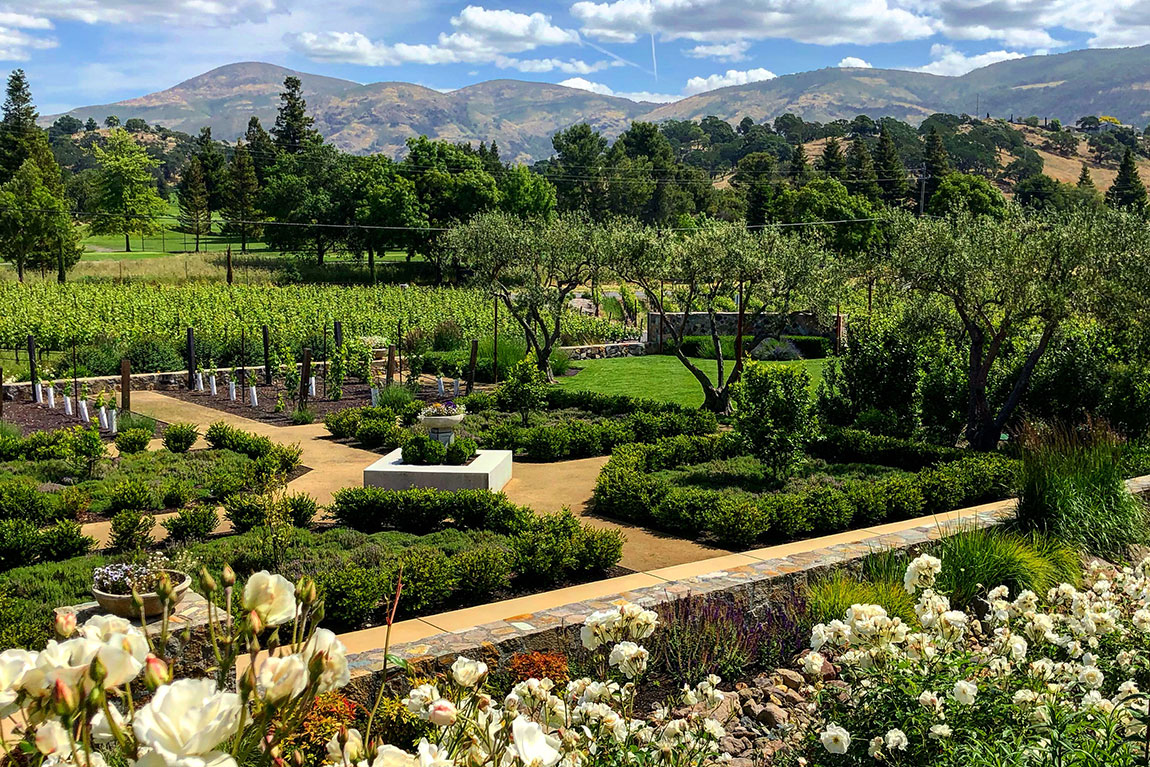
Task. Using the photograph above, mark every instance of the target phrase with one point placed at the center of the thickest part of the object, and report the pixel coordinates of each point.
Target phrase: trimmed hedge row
(23, 543)
(627, 489)
(374, 509)
(841, 445)
(280, 458)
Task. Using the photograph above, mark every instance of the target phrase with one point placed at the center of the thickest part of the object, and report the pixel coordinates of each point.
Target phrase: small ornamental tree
(524, 390)
(773, 414)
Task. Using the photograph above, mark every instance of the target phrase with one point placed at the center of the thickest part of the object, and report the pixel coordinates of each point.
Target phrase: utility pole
(922, 191)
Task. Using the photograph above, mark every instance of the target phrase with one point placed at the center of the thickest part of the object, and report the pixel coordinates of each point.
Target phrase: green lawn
(658, 376)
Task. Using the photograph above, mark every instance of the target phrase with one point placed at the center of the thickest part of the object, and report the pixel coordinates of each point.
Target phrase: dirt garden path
(540, 486)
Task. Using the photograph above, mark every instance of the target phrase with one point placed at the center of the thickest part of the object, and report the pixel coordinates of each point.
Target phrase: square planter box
(490, 470)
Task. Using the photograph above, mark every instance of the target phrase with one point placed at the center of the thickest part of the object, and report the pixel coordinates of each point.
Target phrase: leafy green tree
(136, 125)
(825, 199)
(293, 129)
(310, 192)
(111, 121)
(526, 194)
(18, 127)
(1127, 191)
(755, 178)
(1013, 283)
(799, 170)
(524, 390)
(833, 163)
(578, 168)
(1045, 194)
(532, 267)
(65, 125)
(127, 203)
(261, 147)
(241, 191)
(214, 166)
(643, 146)
(862, 178)
(963, 191)
(892, 178)
(192, 193)
(773, 414)
(387, 198)
(937, 162)
(91, 125)
(35, 226)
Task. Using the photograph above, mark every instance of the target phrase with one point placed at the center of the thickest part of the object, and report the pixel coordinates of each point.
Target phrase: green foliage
(773, 414)
(179, 437)
(194, 523)
(371, 509)
(352, 595)
(829, 598)
(132, 494)
(379, 433)
(133, 441)
(421, 450)
(247, 511)
(839, 445)
(299, 509)
(525, 390)
(131, 530)
(460, 452)
(482, 572)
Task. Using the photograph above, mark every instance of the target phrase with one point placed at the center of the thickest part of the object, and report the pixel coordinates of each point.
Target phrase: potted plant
(442, 419)
(112, 586)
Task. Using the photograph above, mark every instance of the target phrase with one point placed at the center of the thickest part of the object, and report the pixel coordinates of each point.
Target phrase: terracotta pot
(121, 604)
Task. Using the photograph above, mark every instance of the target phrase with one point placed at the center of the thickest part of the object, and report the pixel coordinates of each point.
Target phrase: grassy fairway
(657, 377)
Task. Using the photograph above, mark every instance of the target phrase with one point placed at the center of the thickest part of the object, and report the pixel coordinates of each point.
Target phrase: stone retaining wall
(603, 351)
(699, 324)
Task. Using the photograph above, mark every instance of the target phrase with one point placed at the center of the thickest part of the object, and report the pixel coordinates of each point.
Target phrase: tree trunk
(20, 269)
(127, 243)
(371, 262)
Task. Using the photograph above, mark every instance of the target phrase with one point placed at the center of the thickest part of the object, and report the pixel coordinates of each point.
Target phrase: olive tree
(768, 271)
(1013, 282)
(532, 267)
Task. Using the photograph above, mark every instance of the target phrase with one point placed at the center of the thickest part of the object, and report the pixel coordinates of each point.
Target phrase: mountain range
(522, 116)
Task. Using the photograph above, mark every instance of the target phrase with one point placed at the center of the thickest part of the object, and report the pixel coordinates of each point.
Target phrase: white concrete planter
(490, 470)
(442, 421)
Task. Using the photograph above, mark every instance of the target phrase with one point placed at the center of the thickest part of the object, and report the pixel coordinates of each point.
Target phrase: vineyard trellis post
(267, 357)
(126, 385)
(305, 377)
(32, 366)
(390, 363)
(337, 332)
(3, 391)
(191, 358)
(75, 380)
(471, 365)
(495, 346)
(243, 363)
(399, 351)
(325, 356)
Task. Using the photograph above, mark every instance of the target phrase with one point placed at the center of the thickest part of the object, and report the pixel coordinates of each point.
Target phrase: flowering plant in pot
(125, 589)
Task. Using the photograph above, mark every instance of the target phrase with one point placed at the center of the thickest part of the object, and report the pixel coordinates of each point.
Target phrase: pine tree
(1128, 191)
(937, 161)
(213, 164)
(799, 170)
(293, 125)
(863, 180)
(1085, 181)
(833, 162)
(891, 172)
(240, 195)
(18, 126)
(195, 215)
(261, 148)
(91, 125)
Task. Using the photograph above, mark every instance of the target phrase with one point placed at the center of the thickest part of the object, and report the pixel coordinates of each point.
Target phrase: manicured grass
(658, 376)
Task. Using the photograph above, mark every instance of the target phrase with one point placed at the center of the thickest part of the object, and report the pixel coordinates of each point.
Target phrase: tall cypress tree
(195, 214)
(891, 172)
(213, 164)
(799, 169)
(240, 195)
(18, 127)
(293, 130)
(833, 162)
(863, 180)
(261, 148)
(937, 161)
(1128, 191)
(1085, 181)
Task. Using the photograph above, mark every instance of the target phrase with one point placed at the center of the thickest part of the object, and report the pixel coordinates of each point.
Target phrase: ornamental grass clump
(1071, 486)
(1039, 679)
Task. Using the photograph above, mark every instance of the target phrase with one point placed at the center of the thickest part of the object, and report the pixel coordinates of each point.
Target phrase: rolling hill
(522, 116)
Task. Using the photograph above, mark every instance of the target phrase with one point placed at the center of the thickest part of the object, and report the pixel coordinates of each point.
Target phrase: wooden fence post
(390, 364)
(471, 367)
(191, 354)
(3, 391)
(338, 332)
(125, 386)
(32, 366)
(304, 378)
(267, 357)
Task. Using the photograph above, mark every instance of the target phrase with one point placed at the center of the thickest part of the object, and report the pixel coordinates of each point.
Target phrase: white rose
(964, 692)
(835, 739)
(66, 662)
(896, 739)
(14, 665)
(813, 664)
(282, 677)
(467, 672)
(630, 658)
(104, 627)
(939, 732)
(390, 756)
(348, 753)
(874, 747)
(52, 739)
(272, 597)
(532, 746)
(1091, 677)
(442, 713)
(335, 673)
(431, 755)
(123, 656)
(185, 723)
(929, 699)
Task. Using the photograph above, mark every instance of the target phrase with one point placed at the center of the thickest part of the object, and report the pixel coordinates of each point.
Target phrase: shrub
(597, 550)
(482, 572)
(179, 437)
(424, 451)
(478, 402)
(64, 540)
(343, 423)
(372, 509)
(546, 549)
(352, 595)
(132, 441)
(546, 443)
(1071, 487)
(194, 523)
(131, 530)
(72, 502)
(396, 398)
(812, 347)
(839, 445)
(524, 390)
(429, 579)
(149, 354)
(460, 452)
(322, 721)
(538, 665)
(19, 543)
(773, 413)
(299, 509)
(127, 421)
(20, 499)
(302, 416)
(132, 494)
(177, 494)
(246, 511)
(375, 434)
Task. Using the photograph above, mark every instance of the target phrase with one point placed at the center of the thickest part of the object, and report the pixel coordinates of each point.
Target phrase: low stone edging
(604, 351)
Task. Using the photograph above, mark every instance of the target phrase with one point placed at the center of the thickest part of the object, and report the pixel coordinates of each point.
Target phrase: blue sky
(79, 52)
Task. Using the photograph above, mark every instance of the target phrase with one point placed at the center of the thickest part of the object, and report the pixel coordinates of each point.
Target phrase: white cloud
(182, 12)
(849, 62)
(566, 66)
(728, 78)
(948, 61)
(15, 43)
(736, 51)
(823, 22)
(603, 90)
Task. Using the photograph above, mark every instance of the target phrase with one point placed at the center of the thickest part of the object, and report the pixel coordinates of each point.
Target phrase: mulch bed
(354, 394)
(30, 417)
